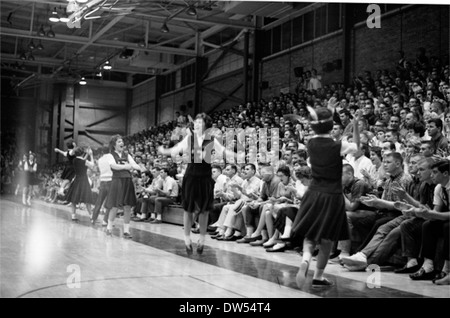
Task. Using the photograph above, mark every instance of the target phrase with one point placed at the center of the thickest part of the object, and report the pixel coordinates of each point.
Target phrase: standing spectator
(105, 184)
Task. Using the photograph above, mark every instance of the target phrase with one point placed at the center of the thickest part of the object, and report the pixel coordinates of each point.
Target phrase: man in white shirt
(157, 183)
(164, 197)
(105, 183)
(360, 162)
(231, 219)
(227, 195)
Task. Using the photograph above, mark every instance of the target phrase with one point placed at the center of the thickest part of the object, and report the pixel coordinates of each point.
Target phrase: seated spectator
(436, 225)
(360, 162)
(386, 239)
(252, 212)
(283, 198)
(151, 190)
(434, 129)
(354, 189)
(164, 197)
(231, 215)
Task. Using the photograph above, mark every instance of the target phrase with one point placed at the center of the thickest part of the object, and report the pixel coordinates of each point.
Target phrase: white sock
(187, 240)
(237, 233)
(343, 254)
(126, 228)
(142, 216)
(110, 225)
(428, 265)
(158, 217)
(74, 216)
(153, 216)
(446, 268)
(201, 239)
(411, 262)
(318, 274)
(306, 257)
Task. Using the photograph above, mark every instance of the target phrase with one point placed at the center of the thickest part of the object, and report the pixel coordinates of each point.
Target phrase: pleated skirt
(320, 216)
(197, 194)
(121, 193)
(79, 191)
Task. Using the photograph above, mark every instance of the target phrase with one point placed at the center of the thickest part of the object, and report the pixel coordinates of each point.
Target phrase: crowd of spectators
(405, 129)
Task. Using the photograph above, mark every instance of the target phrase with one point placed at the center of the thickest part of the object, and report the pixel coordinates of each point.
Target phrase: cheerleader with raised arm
(321, 219)
(69, 172)
(80, 189)
(197, 189)
(122, 193)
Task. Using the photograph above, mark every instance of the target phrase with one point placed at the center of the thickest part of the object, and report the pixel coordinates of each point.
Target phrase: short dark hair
(206, 118)
(348, 167)
(376, 150)
(285, 170)
(442, 166)
(436, 121)
(217, 167)
(113, 141)
(251, 165)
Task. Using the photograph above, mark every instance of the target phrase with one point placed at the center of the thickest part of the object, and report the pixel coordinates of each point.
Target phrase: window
(308, 26)
(276, 39)
(334, 17)
(297, 30)
(321, 21)
(286, 35)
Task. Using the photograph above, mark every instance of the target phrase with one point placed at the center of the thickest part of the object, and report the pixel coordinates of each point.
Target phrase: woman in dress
(80, 189)
(122, 193)
(30, 179)
(197, 190)
(69, 172)
(20, 178)
(321, 218)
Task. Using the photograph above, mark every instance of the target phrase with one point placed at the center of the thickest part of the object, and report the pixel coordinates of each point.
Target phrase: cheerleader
(122, 193)
(20, 177)
(69, 171)
(80, 189)
(321, 218)
(197, 190)
(30, 179)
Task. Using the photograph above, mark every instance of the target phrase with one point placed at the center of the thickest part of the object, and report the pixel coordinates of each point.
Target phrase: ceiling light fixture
(31, 45)
(54, 17)
(23, 56)
(82, 1)
(107, 65)
(30, 57)
(191, 11)
(50, 33)
(164, 28)
(41, 31)
(64, 18)
(82, 81)
(40, 47)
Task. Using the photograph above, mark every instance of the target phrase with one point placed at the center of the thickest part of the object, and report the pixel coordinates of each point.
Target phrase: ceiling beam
(57, 62)
(211, 31)
(102, 43)
(99, 34)
(211, 21)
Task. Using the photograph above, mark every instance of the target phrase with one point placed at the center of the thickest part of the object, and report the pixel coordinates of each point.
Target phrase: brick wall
(421, 26)
(279, 71)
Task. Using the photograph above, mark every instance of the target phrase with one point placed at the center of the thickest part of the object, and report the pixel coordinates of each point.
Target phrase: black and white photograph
(227, 156)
